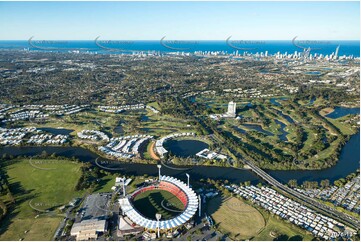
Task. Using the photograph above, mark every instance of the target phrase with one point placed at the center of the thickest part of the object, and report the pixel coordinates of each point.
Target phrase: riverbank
(326, 111)
(348, 162)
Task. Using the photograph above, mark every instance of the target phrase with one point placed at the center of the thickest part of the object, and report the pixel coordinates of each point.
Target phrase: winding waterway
(348, 162)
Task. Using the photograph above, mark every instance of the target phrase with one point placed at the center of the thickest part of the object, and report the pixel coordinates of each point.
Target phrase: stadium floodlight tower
(123, 180)
(187, 179)
(159, 166)
(199, 205)
(158, 216)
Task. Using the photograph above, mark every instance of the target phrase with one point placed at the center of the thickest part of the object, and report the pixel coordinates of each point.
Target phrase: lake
(342, 111)
(275, 102)
(258, 128)
(119, 128)
(184, 148)
(312, 101)
(57, 130)
(314, 73)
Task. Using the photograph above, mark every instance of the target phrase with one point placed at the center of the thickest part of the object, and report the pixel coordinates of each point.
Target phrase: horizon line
(179, 39)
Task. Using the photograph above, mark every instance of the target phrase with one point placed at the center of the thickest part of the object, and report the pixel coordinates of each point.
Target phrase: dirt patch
(152, 153)
(326, 111)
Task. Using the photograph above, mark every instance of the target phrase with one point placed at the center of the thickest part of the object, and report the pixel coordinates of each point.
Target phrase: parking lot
(95, 206)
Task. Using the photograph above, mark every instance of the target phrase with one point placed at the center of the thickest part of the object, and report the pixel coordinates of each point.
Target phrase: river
(349, 161)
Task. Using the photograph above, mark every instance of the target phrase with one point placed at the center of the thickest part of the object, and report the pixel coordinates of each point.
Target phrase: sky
(179, 20)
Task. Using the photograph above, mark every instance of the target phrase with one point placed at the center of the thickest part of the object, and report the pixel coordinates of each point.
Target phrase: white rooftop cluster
(24, 115)
(347, 196)
(125, 146)
(93, 135)
(19, 135)
(187, 214)
(5, 107)
(119, 109)
(33, 111)
(48, 139)
(159, 144)
(72, 110)
(14, 136)
(210, 155)
(319, 225)
(63, 109)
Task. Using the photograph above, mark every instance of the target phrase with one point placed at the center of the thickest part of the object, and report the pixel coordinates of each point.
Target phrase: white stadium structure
(178, 188)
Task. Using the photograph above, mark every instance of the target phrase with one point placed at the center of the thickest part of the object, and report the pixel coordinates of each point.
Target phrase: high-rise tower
(231, 109)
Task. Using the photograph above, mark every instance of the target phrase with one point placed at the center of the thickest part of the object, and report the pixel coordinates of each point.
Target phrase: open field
(38, 186)
(161, 125)
(41, 228)
(278, 228)
(243, 221)
(151, 202)
(232, 215)
(344, 128)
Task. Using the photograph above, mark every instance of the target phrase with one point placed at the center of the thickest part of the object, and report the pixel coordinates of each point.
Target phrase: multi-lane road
(307, 201)
(322, 208)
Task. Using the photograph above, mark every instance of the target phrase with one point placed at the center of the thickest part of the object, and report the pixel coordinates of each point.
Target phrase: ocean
(347, 48)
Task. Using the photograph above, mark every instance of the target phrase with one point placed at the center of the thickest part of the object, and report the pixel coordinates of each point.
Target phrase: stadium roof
(186, 215)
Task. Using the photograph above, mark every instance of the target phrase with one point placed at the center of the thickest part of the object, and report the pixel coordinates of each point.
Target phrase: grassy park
(38, 187)
(277, 228)
(242, 221)
(232, 215)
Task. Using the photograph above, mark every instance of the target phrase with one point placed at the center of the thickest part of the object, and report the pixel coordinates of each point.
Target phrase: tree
(282, 237)
(325, 183)
(310, 184)
(292, 183)
(339, 182)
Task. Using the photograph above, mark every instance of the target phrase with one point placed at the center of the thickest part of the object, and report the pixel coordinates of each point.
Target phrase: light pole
(187, 178)
(159, 166)
(200, 206)
(123, 179)
(158, 216)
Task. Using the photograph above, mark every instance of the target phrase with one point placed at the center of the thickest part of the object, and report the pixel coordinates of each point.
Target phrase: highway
(317, 206)
(307, 201)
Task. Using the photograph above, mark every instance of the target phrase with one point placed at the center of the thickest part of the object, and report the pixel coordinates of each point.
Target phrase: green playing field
(158, 201)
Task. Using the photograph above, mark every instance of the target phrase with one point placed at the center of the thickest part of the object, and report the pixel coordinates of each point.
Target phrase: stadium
(187, 198)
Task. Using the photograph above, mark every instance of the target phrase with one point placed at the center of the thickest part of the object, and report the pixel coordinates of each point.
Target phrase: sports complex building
(166, 183)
